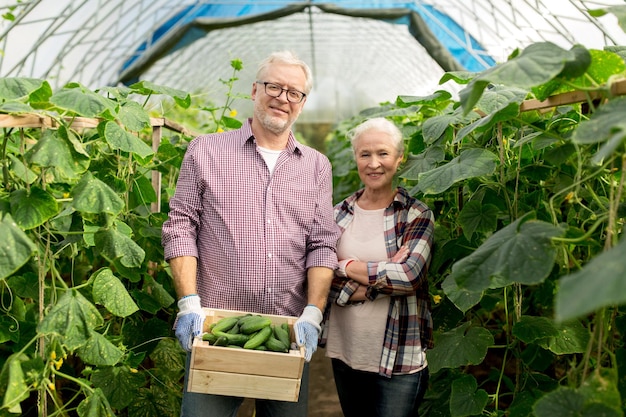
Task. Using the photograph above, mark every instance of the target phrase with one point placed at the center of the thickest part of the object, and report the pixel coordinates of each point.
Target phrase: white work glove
(189, 321)
(307, 330)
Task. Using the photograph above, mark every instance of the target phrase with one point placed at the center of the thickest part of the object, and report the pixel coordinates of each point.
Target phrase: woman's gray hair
(287, 58)
(379, 124)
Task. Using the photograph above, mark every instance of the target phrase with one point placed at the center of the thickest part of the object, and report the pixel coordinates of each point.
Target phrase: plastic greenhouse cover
(361, 52)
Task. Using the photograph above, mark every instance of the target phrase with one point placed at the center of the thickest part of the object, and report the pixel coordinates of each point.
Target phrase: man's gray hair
(288, 58)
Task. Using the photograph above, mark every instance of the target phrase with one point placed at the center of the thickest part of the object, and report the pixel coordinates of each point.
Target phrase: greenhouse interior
(512, 117)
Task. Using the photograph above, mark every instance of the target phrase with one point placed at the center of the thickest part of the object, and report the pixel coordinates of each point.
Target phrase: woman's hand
(401, 255)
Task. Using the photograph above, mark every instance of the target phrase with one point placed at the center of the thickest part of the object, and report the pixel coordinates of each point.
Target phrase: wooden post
(156, 175)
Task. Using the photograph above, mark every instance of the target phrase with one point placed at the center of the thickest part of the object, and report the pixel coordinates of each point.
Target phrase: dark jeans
(208, 405)
(367, 394)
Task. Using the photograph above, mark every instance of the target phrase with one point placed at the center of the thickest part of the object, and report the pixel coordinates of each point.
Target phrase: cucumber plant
(528, 267)
(87, 303)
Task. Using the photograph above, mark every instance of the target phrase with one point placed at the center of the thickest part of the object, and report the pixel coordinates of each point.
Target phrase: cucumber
(282, 334)
(255, 324)
(225, 324)
(234, 329)
(221, 341)
(243, 319)
(233, 339)
(258, 338)
(276, 345)
(209, 337)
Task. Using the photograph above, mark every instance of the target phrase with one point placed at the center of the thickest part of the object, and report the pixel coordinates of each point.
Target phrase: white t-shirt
(270, 156)
(356, 332)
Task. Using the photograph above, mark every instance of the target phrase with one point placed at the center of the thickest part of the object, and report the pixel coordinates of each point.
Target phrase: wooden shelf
(618, 88)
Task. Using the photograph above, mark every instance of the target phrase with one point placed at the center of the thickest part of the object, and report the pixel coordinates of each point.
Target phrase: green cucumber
(258, 338)
(234, 329)
(282, 334)
(221, 341)
(233, 339)
(209, 337)
(276, 345)
(225, 324)
(254, 324)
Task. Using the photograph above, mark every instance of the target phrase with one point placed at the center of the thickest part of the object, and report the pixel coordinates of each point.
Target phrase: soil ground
(323, 400)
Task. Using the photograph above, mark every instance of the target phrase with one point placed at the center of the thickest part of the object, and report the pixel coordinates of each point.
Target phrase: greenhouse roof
(362, 53)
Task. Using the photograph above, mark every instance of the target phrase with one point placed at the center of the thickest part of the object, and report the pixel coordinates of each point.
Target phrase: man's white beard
(273, 124)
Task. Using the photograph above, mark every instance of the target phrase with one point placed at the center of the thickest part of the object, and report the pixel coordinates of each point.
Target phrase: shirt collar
(293, 146)
(401, 198)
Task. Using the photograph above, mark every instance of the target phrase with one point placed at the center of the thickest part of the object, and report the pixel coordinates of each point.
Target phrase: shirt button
(269, 290)
(269, 255)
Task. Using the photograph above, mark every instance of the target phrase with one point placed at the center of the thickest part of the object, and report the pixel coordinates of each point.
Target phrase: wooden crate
(244, 372)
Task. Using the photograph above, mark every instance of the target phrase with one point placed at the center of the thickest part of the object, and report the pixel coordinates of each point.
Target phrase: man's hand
(189, 321)
(307, 330)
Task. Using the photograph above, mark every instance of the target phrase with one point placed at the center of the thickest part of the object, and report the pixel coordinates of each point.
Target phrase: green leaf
(461, 346)
(605, 123)
(568, 402)
(158, 400)
(466, 400)
(21, 171)
(15, 247)
(71, 137)
(13, 387)
(99, 351)
(602, 387)
(109, 291)
(434, 127)
(32, 207)
(564, 402)
(94, 196)
(72, 317)
(600, 283)
(95, 405)
(462, 298)
(572, 337)
(521, 252)
(230, 122)
(182, 98)
(499, 104)
(113, 244)
(55, 152)
(146, 302)
(423, 162)
(578, 65)
(531, 328)
(17, 88)
(15, 107)
(133, 116)
(469, 164)
(118, 383)
(157, 291)
(118, 138)
(537, 64)
(83, 102)
(167, 356)
(141, 192)
(478, 217)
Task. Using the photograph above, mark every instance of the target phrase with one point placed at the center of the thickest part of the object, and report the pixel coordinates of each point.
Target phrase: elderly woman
(379, 323)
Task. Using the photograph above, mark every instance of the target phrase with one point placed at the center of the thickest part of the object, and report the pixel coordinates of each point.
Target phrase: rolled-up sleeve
(406, 277)
(322, 241)
(180, 230)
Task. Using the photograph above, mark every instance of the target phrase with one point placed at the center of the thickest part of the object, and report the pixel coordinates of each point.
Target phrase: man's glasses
(275, 90)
